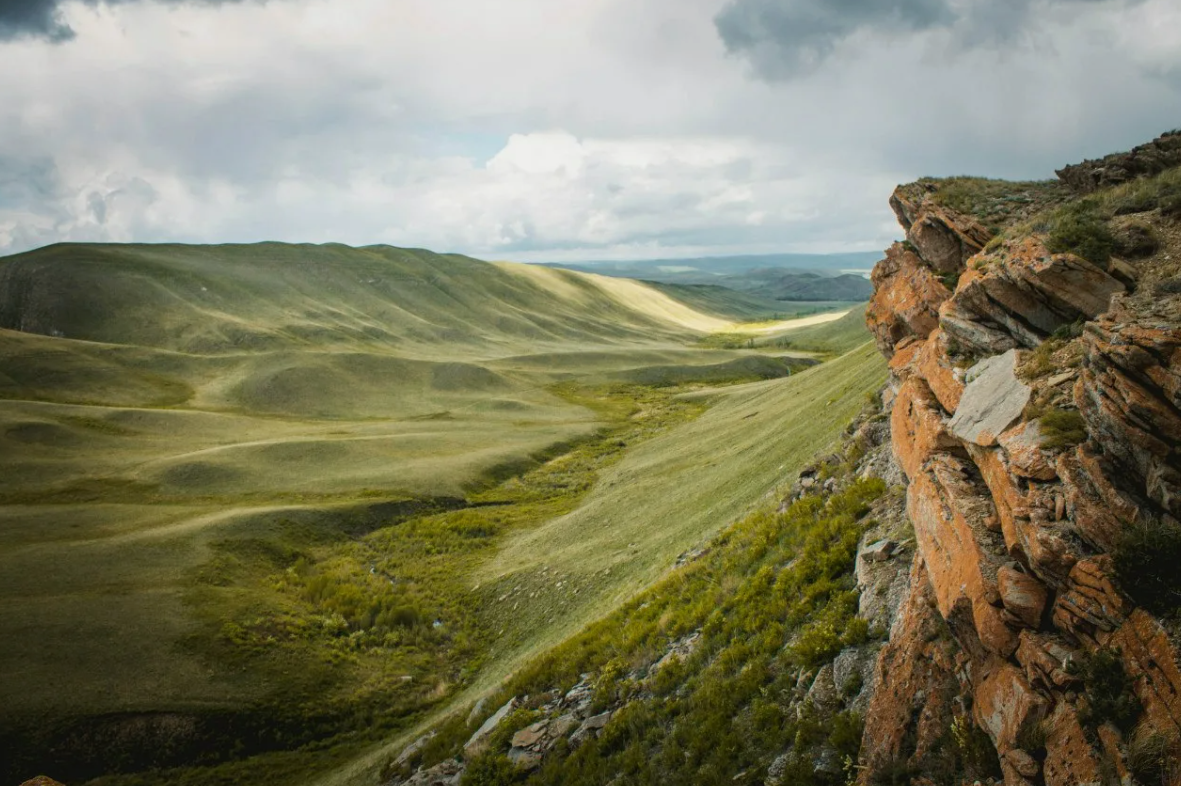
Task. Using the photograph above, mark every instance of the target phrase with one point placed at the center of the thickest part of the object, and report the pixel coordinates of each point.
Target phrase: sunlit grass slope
(669, 494)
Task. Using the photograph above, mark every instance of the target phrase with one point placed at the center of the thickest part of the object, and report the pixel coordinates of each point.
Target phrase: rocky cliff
(1035, 401)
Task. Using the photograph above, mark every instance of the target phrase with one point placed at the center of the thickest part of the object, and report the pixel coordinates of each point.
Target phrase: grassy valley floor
(300, 498)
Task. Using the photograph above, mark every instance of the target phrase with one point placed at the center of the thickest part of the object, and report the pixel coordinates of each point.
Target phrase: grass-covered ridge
(214, 462)
(772, 598)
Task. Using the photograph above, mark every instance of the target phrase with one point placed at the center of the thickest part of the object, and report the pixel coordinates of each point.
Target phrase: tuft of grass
(1143, 195)
(1145, 560)
(994, 202)
(1031, 737)
(1062, 428)
(1110, 698)
(1154, 758)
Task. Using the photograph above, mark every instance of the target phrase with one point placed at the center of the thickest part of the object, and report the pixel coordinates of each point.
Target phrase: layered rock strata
(1014, 526)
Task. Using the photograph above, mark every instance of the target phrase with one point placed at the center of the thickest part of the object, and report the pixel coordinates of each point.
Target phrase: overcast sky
(547, 129)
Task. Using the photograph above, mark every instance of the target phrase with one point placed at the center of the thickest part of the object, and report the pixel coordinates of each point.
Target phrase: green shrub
(1145, 560)
(845, 737)
(1082, 230)
(490, 769)
(1040, 362)
(1170, 206)
(975, 755)
(1109, 692)
(1062, 428)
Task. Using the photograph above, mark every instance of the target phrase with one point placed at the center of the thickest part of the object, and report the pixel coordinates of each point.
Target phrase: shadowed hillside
(243, 488)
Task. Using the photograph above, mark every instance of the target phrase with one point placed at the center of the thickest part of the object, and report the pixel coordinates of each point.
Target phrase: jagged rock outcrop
(1022, 479)
(1162, 153)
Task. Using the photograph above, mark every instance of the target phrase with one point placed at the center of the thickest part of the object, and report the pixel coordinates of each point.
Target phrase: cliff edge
(1033, 332)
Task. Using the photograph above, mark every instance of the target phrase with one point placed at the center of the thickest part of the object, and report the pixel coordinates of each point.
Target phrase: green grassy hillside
(833, 338)
(224, 299)
(211, 456)
(666, 496)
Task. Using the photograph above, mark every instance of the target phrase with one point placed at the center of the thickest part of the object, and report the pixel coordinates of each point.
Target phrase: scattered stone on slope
(880, 551)
(446, 773)
(413, 748)
(992, 401)
(679, 650)
(479, 740)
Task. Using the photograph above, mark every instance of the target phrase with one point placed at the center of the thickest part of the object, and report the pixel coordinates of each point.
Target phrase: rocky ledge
(1036, 414)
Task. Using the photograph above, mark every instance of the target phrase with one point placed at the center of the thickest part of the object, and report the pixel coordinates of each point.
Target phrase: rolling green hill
(211, 457)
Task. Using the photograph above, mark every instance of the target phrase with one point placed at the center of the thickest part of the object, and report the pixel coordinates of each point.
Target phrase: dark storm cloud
(783, 38)
(34, 18)
(43, 18)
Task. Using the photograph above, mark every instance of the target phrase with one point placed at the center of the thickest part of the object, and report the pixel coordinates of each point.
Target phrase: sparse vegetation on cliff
(1146, 562)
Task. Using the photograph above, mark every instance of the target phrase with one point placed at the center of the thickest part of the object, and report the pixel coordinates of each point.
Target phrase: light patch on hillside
(551, 279)
(634, 295)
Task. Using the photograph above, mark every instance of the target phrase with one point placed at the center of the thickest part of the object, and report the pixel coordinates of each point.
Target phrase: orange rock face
(1012, 537)
(1025, 292)
(917, 427)
(916, 680)
(948, 511)
(906, 299)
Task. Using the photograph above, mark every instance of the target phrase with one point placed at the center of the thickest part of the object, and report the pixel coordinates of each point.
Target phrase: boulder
(880, 551)
(1024, 292)
(1005, 703)
(445, 773)
(531, 735)
(948, 509)
(1162, 153)
(524, 760)
(992, 401)
(413, 748)
(912, 707)
(478, 742)
(1023, 596)
(1130, 396)
(823, 693)
(1070, 758)
(1023, 447)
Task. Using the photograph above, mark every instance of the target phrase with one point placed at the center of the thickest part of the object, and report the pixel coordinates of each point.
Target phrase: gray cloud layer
(785, 38)
(529, 129)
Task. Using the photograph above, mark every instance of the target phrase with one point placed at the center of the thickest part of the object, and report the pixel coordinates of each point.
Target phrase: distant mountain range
(781, 277)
